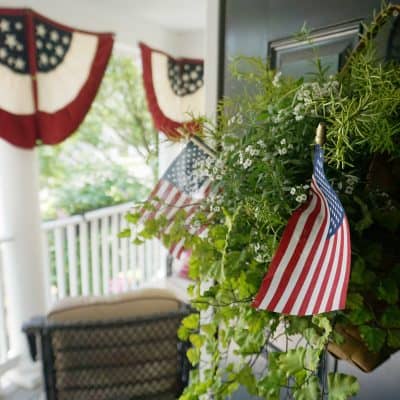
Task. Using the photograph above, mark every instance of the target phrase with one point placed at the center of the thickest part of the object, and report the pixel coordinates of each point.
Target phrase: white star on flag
(4, 25)
(41, 30)
(11, 41)
(59, 51)
(19, 63)
(3, 53)
(54, 36)
(44, 59)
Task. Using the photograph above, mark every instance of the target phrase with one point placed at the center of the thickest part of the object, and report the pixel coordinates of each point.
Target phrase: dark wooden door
(258, 28)
(265, 27)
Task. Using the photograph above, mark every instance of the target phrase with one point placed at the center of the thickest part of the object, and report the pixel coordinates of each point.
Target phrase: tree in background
(112, 158)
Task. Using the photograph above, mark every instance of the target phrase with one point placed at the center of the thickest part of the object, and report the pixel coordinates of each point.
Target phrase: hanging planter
(259, 177)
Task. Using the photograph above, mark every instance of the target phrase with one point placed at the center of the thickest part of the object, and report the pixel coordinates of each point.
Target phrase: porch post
(20, 219)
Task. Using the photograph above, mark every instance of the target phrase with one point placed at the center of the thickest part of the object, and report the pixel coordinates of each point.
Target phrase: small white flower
(299, 198)
(283, 141)
(282, 151)
(293, 191)
(290, 146)
(259, 258)
(254, 152)
(261, 143)
(348, 190)
(303, 197)
(275, 81)
(340, 185)
(298, 117)
(305, 187)
(218, 177)
(247, 163)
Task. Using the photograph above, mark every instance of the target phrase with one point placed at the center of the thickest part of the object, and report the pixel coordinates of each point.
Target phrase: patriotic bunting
(49, 76)
(310, 271)
(181, 187)
(174, 90)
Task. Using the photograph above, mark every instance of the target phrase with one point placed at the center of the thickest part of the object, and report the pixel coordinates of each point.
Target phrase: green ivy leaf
(394, 338)
(132, 218)
(137, 241)
(209, 329)
(197, 340)
(357, 271)
(296, 360)
(360, 316)
(126, 233)
(388, 291)
(191, 321)
(354, 301)
(373, 337)
(193, 356)
(309, 390)
(342, 386)
(323, 323)
(270, 386)
(246, 378)
(391, 317)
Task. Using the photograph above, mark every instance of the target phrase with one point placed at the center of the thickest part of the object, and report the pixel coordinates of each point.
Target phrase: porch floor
(24, 394)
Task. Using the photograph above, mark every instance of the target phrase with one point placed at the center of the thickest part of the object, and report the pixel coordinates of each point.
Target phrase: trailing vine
(260, 175)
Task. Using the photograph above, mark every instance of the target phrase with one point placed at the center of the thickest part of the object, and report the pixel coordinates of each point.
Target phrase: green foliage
(103, 162)
(259, 177)
(342, 386)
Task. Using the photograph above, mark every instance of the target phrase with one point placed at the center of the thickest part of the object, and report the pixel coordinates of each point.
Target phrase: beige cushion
(136, 303)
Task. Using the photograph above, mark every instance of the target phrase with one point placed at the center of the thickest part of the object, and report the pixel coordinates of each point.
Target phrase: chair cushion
(140, 302)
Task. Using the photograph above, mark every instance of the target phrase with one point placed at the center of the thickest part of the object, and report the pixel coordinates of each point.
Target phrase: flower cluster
(261, 252)
(310, 96)
(284, 147)
(349, 183)
(246, 157)
(299, 192)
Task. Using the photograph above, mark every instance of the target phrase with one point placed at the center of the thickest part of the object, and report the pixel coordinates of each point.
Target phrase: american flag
(310, 271)
(181, 187)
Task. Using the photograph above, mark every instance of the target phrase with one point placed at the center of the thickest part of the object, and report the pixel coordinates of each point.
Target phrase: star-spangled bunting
(49, 76)
(174, 91)
(181, 187)
(310, 271)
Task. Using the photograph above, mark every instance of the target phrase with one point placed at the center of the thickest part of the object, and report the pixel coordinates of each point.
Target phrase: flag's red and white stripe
(309, 273)
(170, 201)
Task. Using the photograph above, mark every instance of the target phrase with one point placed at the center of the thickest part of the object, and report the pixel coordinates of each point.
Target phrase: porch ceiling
(131, 20)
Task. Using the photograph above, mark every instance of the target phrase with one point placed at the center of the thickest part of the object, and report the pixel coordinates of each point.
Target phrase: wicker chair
(115, 348)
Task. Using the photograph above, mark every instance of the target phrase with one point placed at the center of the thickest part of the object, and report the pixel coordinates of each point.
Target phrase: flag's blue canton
(52, 44)
(336, 210)
(13, 49)
(181, 172)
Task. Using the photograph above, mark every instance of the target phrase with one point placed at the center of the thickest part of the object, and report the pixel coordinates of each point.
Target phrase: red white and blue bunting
(49, 76)
(174, 90)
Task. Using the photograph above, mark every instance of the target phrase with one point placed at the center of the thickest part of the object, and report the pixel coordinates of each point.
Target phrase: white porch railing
(84, 256)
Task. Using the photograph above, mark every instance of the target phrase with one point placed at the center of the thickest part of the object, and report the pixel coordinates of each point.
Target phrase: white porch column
(20, 219)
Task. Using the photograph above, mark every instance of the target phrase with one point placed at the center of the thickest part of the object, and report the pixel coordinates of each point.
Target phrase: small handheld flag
(310, 271)
(181, 187)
